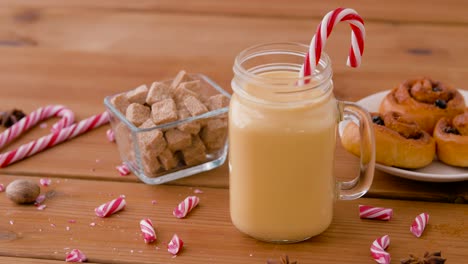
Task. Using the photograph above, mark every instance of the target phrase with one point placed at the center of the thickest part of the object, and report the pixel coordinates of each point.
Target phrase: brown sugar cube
(151, 165)
(177, 140)
(182, 76)
(158, 92)
(191, 85)
(190, 127)
(138, 95)
(148, 124)
(164, 111)
(196, 153)
(120, 102)
(180, 93)
(137, 113)
(214, 133)
(151, 143)
(122, 137)
(217, 101)
(194, 106)
(168, 159)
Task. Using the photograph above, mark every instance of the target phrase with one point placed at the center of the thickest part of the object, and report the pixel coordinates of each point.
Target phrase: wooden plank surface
(208, 233)
(448, 11)
(20, 260)
(163, 35)
(32, 78)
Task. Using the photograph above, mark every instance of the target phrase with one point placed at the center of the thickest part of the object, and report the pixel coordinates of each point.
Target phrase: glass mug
(282, 136)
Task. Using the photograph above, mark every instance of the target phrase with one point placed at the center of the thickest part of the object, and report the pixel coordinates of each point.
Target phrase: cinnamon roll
(451, 137)
(400, 142)
(425, 101)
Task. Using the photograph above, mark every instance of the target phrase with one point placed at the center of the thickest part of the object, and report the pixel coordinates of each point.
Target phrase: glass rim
(258, 49)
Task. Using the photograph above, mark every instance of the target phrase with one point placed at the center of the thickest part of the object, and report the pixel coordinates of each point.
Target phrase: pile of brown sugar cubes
(186, 144)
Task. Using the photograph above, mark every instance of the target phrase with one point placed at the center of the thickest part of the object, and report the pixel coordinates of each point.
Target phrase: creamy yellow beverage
(281, 156)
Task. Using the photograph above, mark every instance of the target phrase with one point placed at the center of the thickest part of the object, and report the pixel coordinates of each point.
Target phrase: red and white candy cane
(324, 29)
(147, 229)
(378, 252)
(35, 117)
(379, 213)
(419, 224)
(175, 245)
(186, 206)
(53, 139)
(110, 135)
(76, 256)
(109, 208)
(123, 169)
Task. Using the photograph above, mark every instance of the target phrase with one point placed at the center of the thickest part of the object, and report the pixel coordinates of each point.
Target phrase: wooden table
(76, 52)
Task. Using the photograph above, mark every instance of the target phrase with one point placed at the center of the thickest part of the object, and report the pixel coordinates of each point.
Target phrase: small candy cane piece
(380, 213)
(147, 229)
(378, 252)
(41, 207)
(110, 208)
(76, 256)
(2, 187)
(39, 200)
(419, 224)
(45, 181)
(51, 140)
(110, 135)
(197, 191)
(175, 245)
(324, 29)
(123, 169)
(186, 206)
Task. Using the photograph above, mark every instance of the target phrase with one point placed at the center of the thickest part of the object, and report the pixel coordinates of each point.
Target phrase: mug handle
(357, 187)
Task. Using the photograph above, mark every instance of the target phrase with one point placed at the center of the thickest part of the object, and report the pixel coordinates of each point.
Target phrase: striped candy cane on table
(53, 139)
(324, 29)
(43, 113)
(378, 252)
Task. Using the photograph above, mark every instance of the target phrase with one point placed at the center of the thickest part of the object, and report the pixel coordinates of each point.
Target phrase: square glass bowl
(137, 156)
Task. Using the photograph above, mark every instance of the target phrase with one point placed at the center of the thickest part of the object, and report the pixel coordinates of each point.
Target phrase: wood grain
(19, 260)
(208, 233)
(167, 35)
(449, 11)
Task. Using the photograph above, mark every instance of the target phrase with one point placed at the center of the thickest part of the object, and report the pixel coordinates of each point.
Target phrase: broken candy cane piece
(370, 212)
(175, 245)
(147, 229)
(110, 208)
(110, 135)
(41, 207)
(39, 199)
(186, 206)
(76, 256)
(2, 187)
(123, 169)
(378, 252)
(45, 181)
(419, 224)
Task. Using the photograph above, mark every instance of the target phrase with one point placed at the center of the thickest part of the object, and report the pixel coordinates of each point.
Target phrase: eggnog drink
(282, 186)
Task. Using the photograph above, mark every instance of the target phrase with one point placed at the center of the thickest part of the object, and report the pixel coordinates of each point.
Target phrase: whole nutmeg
(22, 191)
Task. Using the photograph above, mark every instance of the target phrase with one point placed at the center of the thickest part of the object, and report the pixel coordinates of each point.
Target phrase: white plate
(434, 172)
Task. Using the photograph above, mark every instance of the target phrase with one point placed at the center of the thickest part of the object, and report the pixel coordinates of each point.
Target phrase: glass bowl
(202, 154)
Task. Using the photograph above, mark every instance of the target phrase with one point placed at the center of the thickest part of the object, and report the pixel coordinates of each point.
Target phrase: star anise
(283, 260)
(7, 119)
(429, 258)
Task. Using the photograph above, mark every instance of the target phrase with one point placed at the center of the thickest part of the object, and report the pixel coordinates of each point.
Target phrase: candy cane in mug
(324, 29)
